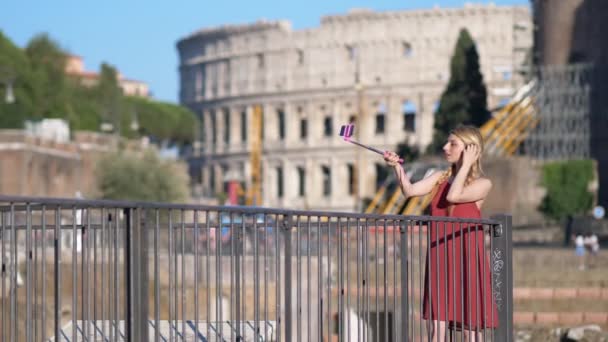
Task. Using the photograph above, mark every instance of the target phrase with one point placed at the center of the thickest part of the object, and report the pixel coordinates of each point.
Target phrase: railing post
(142, 272)
(403, 249)
(237, 232)
(502, 276)
(287, 224)
(136, 276)
(128, 247)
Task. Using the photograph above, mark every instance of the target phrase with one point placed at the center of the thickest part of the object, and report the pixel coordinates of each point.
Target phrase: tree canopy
(44, 90)
(123, 176)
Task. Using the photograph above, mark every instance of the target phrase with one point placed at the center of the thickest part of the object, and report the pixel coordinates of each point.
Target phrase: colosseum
(383, 70)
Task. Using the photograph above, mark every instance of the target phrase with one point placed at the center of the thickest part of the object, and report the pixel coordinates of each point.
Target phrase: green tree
(567, 188)
(43, 90)
(51, 94)
(14, 65)
(127, 176)
(464, 99)
(164, 121)
(109, 96)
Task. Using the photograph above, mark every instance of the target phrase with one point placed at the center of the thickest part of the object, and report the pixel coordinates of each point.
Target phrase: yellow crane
(254, 193)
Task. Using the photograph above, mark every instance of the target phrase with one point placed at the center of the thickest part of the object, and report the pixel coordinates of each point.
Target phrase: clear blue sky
(138, 37)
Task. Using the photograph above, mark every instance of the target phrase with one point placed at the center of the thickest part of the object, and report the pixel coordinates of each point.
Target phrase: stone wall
(516, 189)
(32, 166)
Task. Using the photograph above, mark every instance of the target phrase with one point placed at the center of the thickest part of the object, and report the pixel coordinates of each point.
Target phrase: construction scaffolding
(562, 99)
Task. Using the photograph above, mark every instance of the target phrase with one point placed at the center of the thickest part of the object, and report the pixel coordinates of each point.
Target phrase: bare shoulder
(483, 182)
(435, 175)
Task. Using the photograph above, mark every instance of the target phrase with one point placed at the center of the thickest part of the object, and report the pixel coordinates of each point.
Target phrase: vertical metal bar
(128, 249)
(358, 264)
(348, 228)
(396, 327)
(462, 279)
(288, 274)
(298, 281)
(175, 298)
(3, 239)
(366, 280)
(479, 310)
(116, 274)
(107, 238)
(111, 272)
(404, 231)
(492, 280)
(84, 237)
(420, 275)
(412, 227)
(340, 266)
(218, 280)
(453, 283)
(265, 231)
(171, 278)
(376, 252)
(385, 278)
(256, 279)
(57, 275)
(13, 272)
(233, 240)
(28, 249)
(74, 273)
(93, 232)
(308, 282)
(142, 263)
(183, 294)
(468, 280)
(502, 280)
(446, 269)
(102, 263)
(278, 277)
(208, 271)
(196, 269)
(35, 280)
(244, 236)
(95, 281)
(237, 272)
(320, 280)
(156, 275)
(484, 288)
(432, 231)
(329, 279)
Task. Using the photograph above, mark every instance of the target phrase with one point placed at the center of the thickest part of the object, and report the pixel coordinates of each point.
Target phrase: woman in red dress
(458, 288)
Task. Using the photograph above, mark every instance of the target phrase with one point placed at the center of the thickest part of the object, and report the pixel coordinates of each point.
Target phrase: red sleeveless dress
(457, 282)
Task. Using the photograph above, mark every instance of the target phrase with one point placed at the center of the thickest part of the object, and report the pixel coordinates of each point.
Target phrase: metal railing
(127, 271)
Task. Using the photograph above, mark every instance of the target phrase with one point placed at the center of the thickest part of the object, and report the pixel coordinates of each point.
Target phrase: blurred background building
(75, 67)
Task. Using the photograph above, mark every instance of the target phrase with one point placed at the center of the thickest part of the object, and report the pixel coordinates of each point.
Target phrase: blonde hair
(469, 135)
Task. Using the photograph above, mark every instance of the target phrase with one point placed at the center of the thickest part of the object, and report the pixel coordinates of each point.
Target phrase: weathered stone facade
(306, 81)
(35, 166)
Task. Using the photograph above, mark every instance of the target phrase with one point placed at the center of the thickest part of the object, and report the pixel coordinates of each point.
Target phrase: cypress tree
(464, 99)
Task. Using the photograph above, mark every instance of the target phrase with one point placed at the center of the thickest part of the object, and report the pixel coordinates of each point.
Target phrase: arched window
(407, 50)
(326, 171)
(380, 118)
(408, 109)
